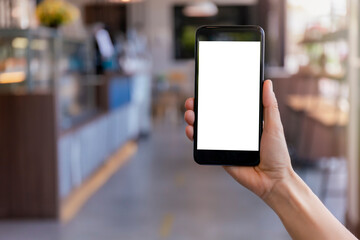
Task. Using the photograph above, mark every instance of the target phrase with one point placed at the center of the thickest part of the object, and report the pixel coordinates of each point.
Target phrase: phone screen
(228, 95)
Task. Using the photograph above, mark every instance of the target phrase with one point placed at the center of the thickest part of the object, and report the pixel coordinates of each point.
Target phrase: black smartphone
(229, 75)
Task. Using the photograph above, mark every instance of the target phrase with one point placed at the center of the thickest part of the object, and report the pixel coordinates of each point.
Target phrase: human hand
(275, 166)
(277, 184)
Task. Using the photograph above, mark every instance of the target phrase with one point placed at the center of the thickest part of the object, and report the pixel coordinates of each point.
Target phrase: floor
(162, 194)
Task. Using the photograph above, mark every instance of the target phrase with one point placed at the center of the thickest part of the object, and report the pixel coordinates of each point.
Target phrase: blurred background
(92, 92)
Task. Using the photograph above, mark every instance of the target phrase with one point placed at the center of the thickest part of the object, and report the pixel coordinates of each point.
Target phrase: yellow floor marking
(166, 225)
(179, 179)
(72, 204)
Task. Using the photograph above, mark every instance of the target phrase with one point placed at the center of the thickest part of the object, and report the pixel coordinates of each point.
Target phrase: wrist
(285, 190)
(302, 213)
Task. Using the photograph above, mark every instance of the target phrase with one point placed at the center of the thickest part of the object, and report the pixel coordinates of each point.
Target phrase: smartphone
(229, 75)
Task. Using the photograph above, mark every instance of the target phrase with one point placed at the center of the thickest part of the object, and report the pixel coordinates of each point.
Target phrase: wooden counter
(28, 183)
(39, 167)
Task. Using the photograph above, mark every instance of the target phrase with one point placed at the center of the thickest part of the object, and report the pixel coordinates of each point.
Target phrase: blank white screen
(228, 95)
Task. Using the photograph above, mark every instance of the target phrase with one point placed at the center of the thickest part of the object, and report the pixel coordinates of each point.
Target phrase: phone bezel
(228, 157)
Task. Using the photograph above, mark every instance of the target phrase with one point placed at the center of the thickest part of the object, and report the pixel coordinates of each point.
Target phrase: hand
(275, 165)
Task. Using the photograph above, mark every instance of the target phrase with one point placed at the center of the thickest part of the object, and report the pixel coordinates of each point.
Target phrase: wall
(155, 16)
(158, 27)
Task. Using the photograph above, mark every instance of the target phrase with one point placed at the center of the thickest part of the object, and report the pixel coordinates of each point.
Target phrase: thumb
(272, 120)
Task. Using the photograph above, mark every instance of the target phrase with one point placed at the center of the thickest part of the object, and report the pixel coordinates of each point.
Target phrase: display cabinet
(26, 60)
(43, 60)
(56, 132)
(76, 82)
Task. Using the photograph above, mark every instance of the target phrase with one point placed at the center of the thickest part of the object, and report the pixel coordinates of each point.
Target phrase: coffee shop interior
(92, 134)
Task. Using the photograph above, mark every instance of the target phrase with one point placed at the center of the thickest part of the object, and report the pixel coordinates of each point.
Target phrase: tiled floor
(162, 194)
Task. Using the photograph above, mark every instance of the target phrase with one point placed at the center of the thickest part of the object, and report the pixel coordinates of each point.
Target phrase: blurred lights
(36, 44)
(12, 77)
(19, 42)
(125, 1)
(200, 9)
(39, 44)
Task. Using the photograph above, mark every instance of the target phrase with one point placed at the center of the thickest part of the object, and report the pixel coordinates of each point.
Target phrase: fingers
(189, 130)
(189, 104)
(189, 117)
(271, 111)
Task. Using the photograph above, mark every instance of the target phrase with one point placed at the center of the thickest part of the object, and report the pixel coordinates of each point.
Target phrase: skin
(274, 180)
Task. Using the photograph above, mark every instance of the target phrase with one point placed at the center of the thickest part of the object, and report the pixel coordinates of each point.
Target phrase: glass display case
(26, 60)
(42, 60)
(76, 82)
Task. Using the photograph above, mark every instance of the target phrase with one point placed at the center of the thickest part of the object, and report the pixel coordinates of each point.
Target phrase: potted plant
(54, 13)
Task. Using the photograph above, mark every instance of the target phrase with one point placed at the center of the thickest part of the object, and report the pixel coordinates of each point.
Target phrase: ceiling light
(125, 1)
(200, 9)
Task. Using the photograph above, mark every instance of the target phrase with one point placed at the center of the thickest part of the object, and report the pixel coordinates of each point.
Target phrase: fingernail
(271, 86)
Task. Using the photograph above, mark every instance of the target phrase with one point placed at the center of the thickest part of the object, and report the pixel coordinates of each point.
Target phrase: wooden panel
(272, 15)
(112, 15)
(5, 138)
(30, 158)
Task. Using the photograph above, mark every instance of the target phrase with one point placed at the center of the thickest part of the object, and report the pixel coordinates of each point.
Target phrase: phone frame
(228, 157)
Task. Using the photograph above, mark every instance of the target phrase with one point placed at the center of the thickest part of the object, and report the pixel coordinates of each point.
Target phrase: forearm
(302, 213)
